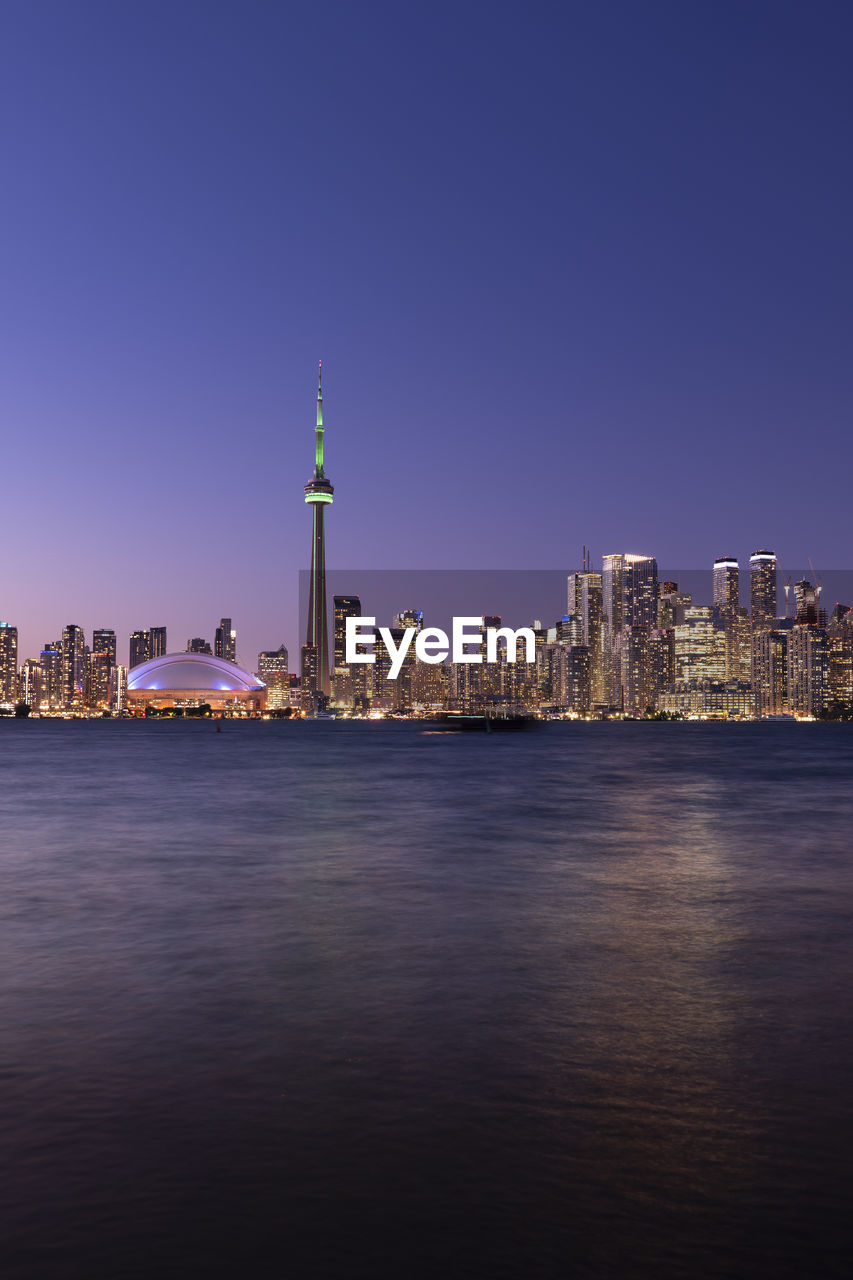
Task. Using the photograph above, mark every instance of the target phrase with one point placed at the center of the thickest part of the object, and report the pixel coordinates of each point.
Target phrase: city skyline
(172, 269)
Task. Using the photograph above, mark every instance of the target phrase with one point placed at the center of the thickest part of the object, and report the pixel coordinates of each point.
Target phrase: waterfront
(356, 999)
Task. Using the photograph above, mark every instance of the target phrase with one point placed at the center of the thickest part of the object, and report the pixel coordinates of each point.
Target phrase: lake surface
(355, 1000)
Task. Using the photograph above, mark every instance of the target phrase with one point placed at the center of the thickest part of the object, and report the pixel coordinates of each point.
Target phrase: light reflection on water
(352, 999)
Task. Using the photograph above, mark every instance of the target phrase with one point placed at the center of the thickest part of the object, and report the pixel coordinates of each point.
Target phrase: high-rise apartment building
(225, 641)
(808, 662)
(584, 602)
(73, 665)
(198, 645)
(8, 662)
(157, 642)
(629, 591)
(726, 606)
(145, 645)
(50, 662)
(763, 586)
(140, 648)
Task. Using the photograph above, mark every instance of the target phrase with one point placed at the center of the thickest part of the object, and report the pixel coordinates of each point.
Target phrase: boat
(471, 722)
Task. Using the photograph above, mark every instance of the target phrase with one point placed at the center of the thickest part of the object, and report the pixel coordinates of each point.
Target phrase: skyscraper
(762, 589)
(349, 681)
(318, 493)
(629, 598)
(73, 664)
(225, 641)
(272, 669)
(584, 603)
(726, 604)
(157, 643)
(8, 662)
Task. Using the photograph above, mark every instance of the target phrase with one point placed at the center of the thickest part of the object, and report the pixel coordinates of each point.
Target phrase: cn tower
(318, 493)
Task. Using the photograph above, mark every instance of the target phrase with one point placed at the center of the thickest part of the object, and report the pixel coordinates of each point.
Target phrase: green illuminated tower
(318, 492)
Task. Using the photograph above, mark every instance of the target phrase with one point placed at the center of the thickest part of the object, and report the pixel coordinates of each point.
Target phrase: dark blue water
(351, 1000)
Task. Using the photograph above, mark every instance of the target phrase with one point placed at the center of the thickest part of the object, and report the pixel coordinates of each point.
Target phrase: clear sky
(578, 273)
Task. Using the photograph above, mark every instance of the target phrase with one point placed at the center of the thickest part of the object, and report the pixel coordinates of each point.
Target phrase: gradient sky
(578, 273)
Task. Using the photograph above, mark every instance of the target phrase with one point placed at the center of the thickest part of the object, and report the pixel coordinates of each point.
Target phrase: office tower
(318, 494)
(699, 647)
(806, 598)
(50, 662)
(762, 589)
(272, 669)
(584, 602)
(629, 598)
(8, 662)
(225, 641)
(807, 670)
(350, 681)
(198, 645)
(140, 648)
(157, 642)
(770, 672)
(73, 665)
(726, 605)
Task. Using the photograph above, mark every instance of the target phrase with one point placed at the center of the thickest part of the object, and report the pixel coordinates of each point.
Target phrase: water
(352, 1000)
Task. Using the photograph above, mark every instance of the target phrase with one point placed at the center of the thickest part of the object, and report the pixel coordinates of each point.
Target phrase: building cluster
(72, 677)
(628, 645)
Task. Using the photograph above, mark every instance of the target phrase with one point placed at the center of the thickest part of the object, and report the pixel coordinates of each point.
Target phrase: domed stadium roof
(191, 671)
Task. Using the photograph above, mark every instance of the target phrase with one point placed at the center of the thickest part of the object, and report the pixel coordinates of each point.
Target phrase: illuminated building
(99, 669)
(104, 641)
(576, 683)
(718, 699)
(8, 662)
(808, 693)
(272, 671)
(839, 640)
(807, 599)
(191, 680)
(308, 678)
(102, 659)
(73, 665)
(31, 684)
(319, 493)
(118, 689)
(140, 648)
(671, 606)
(699, 647)
(770, 672)
(349, 681)
(762, 589)
(199, 645)
(726, 605)
(225, 641)
(157, 642)
(584, 602)
(145, 645)
(629, 598)
(50, 662)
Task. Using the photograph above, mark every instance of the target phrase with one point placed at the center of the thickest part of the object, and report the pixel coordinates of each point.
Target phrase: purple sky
(577, 273)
